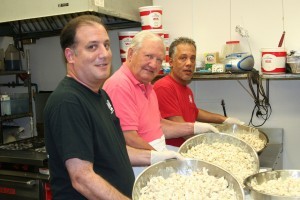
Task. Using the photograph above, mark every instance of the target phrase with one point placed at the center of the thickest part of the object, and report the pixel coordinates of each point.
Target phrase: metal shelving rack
(26, 77)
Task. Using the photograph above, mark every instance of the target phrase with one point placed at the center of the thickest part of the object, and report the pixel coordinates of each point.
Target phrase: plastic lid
(233, 42)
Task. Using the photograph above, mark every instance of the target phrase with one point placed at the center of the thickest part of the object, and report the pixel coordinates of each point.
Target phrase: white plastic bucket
(123, 57)
(151, 17)
(273, 60)
(159, 32)
(167, 45)
(125, 38)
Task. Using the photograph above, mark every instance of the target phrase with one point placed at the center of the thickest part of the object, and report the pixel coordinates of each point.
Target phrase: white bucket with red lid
(167, 44)
(151, 17)
(125, 38)
(123, 57)
(159, 32)
(273, 60)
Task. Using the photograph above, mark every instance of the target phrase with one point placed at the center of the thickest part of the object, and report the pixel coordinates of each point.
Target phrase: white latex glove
(200, 127)
(157, 156)
(231, 120)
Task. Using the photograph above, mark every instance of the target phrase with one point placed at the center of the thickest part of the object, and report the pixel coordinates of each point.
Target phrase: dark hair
(67, 36)
(178, 41)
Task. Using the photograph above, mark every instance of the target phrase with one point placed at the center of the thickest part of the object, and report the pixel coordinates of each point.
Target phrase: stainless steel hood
(44, 18)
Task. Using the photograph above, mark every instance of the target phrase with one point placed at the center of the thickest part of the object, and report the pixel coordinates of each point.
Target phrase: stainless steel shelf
(222, 76)
(218, 76)
(281, 76)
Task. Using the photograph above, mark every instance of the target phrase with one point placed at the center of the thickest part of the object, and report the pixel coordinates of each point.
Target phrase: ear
(129, 54)
(69, 54)
(170, 61)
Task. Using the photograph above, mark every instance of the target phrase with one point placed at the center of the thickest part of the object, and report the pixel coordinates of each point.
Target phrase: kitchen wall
(209, 24)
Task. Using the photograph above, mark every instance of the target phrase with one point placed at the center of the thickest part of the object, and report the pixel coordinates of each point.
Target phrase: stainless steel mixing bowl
(267, 176)
(185, 167)
(210, 138)
(235, 129)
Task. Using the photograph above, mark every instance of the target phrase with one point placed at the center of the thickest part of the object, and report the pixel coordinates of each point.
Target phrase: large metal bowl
(263, 177)
(236, 129)
(185, 167)
(210, 138)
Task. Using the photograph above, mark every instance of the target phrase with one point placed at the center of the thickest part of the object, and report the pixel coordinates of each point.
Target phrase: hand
(231, 120)
(157, 156)
(200, 127)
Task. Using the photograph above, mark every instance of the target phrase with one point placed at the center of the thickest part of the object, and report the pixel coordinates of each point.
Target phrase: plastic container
(5, 105)
(19, 103)
(167, 44)
(12, 58)
(231, 47)
(151, 17)
(125, 38)
(273, 60)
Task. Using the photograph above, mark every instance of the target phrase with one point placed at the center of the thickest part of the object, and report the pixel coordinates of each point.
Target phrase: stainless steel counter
(271, 156)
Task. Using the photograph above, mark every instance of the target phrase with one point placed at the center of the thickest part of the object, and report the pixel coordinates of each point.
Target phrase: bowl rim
(247, 182)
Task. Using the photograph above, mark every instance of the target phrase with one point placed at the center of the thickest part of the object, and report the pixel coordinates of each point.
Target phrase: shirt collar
(146, 89)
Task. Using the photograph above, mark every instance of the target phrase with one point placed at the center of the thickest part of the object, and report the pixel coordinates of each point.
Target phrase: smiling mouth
(149, 71)
(101, 65)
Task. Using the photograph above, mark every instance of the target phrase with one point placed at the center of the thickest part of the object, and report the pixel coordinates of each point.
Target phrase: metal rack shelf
(26, 78)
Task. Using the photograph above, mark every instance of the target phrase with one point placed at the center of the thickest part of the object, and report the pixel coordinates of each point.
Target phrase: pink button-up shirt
(135, 104)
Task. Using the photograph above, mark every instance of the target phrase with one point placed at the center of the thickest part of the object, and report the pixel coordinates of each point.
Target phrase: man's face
(91, 57)
(183, 63)
(146, 62)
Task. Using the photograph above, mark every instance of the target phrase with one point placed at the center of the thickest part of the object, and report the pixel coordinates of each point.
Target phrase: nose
(104, 52)
(189, 61)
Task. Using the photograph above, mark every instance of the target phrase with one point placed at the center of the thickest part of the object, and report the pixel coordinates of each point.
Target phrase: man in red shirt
(175, 98)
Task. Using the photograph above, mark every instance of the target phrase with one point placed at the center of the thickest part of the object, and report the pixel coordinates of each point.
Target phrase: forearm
(134, 140)
(139, 157)
(173, 129)
(87, 182)
(208, 117)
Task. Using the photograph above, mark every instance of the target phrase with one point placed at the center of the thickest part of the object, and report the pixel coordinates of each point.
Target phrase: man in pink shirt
(135, 101)
(175, 98)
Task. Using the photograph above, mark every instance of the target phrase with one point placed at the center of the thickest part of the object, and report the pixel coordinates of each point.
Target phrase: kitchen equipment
(20, 176)
(235, 58)
(293, 62)
(263, 177)
(236, 129)
(185, 167)
(230, 161)
(239, 62)
(273, 60)
(51, 16)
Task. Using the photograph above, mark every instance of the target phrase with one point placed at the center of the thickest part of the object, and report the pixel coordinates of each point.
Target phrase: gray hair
(178, 41)
(139, 38)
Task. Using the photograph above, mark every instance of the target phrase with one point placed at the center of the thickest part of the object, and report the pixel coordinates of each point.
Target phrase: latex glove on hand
(231, 120)
(157, 156)
(200, 127)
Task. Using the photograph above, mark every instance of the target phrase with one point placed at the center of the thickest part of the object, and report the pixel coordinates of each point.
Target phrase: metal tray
(185, 167)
